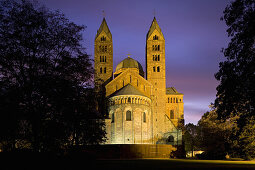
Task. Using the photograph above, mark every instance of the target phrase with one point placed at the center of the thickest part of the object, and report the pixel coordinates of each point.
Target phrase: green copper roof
(130, 63)
(127, 90)
(154, 25)
(104, 27)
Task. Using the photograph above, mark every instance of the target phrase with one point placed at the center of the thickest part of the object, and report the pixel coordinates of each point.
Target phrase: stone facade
(140, 110)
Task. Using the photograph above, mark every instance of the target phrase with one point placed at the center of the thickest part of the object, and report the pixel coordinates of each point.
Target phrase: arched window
(128, 115)
(171, 114)
(158, 69)
(155, 37)
(112, 117)
(105, 70)
(154, 69)
(101, 70)
(170, 139)
(168, 99)
(103, 38)
(144, 117)
(129, 100)
(158, 57)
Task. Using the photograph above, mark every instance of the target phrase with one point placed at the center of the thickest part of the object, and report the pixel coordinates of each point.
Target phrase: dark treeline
(47, 103)
(229, 128)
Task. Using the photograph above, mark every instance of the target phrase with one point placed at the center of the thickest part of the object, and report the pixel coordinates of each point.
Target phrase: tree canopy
(236, 91)
(46, 98)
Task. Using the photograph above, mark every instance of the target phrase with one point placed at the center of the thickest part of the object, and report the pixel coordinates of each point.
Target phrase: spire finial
(154, 12)
(103, 13)
(128, 55)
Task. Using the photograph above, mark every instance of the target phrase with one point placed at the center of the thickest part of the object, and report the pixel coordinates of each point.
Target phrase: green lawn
(173, 164)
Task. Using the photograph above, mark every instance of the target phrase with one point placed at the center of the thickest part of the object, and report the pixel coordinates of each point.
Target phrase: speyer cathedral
(140, 108)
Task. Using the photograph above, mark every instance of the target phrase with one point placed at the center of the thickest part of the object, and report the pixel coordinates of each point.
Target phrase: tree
(236, 91)
(191, 138)
(214, 135)
(46, 98)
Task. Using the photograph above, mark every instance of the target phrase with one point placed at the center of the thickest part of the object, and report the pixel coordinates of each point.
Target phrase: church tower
(155, 74)
(103, 55)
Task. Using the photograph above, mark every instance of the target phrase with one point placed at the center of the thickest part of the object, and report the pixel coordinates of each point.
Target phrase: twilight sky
(194, 36)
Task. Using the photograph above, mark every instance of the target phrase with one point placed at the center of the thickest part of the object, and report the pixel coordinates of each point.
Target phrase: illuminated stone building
(140, 110)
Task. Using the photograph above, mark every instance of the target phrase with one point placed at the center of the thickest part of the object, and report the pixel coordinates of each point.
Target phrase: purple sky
(192, 29)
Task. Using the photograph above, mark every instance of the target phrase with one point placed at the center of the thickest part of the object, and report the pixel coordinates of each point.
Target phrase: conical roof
(104, 27)
(154, 25)
(127, 90)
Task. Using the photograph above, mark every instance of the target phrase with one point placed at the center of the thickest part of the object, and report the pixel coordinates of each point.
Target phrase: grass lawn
(173, 164)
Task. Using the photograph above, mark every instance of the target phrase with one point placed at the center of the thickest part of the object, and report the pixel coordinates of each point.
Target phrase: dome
(130, 63)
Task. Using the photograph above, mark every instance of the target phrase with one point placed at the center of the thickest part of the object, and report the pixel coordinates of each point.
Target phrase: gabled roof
(172, 90)
(127, 90)
(104, 27)
(154, 26)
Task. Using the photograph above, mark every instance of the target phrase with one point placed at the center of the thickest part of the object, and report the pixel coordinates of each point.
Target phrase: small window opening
(128, 115)
(144, 117)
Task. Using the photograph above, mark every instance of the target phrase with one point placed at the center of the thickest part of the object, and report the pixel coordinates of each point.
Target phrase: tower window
(112, 117)
(154, 69)
(158, 57)
(158, 69)
(155, 37)
(171, 114)
(168, 99)
(103, 38)
(101, 70)
(128, 115)
(144, 117)
(105, 70)
(105, 48)
(155, 47)
(129, 100)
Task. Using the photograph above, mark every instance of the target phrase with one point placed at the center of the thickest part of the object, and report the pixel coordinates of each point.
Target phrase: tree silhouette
(236, 91)
(46, 99)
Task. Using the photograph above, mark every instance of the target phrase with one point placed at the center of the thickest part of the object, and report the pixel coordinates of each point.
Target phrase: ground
(173, 164)
(76, 161)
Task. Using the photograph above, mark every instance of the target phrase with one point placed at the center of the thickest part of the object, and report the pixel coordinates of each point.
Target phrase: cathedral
(140, 108)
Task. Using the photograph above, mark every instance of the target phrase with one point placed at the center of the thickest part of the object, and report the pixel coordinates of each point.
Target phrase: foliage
(191, 138)
(236, 91)
(45, 74)
(214, 135)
